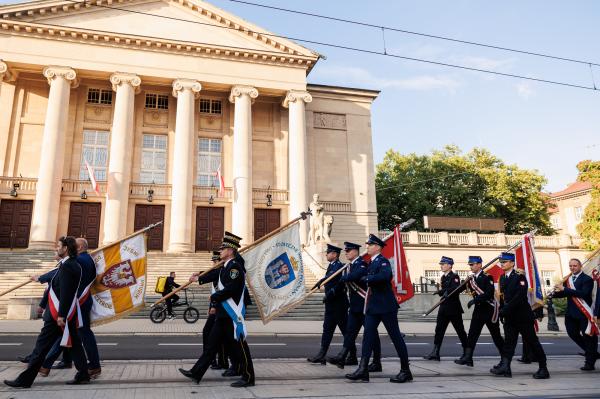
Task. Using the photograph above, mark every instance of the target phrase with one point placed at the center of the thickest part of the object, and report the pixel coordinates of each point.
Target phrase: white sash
(237, 312)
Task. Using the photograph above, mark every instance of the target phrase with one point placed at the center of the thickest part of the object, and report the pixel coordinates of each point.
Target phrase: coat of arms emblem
(119, 276)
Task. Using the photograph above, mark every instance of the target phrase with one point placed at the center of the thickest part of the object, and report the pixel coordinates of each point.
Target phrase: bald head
(82, 245)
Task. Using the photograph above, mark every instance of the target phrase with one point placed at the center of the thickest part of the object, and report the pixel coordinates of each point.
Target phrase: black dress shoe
(230, 373)
(79, 381)
(16, 384)
(587, 367)
(402, 377)
(189, 375)
(242, 383)
(23, 359)
(62, 365)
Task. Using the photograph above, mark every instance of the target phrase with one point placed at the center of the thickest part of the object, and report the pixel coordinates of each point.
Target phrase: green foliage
(589, 228)
(450, 183)
(560, 306)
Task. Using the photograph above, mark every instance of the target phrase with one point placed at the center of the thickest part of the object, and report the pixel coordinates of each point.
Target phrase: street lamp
(13, 192)
(150, 195)
(83, 195)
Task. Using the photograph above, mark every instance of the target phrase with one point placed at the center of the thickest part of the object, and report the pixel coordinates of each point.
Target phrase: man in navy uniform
(450, 310)
(581, 286)
(381, 306)
(518, 318)
(357, 289)
(64, 285)
(481, 287)
(336, 303)
(229, 327)
(220, 362)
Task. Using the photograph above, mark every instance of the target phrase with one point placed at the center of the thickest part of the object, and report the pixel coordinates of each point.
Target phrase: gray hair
(83, 242)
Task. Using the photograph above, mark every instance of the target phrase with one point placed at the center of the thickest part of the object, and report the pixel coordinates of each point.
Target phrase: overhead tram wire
(392, 29)
(337, 46)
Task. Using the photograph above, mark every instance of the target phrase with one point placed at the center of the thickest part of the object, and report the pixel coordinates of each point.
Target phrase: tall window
(555, 220)
(154, 159)
(578, 213)
(548, 278)
(209, 159)
(95, 152)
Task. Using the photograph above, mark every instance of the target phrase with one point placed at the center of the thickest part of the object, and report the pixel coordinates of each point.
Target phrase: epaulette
(520, 271)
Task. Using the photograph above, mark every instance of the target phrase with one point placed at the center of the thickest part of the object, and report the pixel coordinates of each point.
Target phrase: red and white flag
(219, 176)
(394, 251)
(92, 178)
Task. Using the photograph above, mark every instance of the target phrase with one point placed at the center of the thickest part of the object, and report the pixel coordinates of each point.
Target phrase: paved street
(163, 346)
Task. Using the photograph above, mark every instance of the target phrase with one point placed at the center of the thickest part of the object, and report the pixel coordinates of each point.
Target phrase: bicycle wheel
(191, 315)
(158, 315)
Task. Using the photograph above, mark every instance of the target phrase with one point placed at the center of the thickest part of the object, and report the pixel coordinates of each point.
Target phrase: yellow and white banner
(120, 286)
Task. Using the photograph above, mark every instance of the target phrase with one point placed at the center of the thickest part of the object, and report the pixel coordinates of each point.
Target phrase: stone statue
(319, 229)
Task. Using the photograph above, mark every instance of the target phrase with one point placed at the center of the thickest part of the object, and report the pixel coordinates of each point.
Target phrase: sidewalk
(255, 327)
(299, 379)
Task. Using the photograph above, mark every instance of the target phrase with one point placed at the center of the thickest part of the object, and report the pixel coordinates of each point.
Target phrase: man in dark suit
(58, 320)
(336, 303)
(169, 285)
(518, 318)
(220, 361)
(481, 287)
(381, 307)
(357, 288)
(229, 326)
(579, 286)
(450, 311)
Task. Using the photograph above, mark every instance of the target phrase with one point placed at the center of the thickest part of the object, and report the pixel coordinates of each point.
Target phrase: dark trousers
(355, 321)
(47, 337)
(390, 322)
(221, 355)
(442, 324)
(480, 319)
(576, 330)
(334, 316)
(169, 301)
(88, 340)
(222, 333)
(512, 330)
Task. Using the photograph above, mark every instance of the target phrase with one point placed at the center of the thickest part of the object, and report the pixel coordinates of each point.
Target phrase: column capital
(296, 95)
(131, 79)
(53, 71)
(6, 75)
(186, 84)
(239, 90)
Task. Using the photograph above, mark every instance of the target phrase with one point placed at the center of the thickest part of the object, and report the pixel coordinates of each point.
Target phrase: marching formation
(359, 294)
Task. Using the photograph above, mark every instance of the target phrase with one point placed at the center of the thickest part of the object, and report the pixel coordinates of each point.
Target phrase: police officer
(481, 287)
(229, 325)
(450, 310)
(517, 316)
(581, 286)
(357, 289)
(220, 362)
(336, 303)
(381, 306)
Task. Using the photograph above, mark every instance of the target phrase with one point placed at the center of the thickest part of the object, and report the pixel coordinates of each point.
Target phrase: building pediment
(190, 26)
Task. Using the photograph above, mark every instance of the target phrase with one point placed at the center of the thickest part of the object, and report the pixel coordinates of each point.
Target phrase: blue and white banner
(275, 273)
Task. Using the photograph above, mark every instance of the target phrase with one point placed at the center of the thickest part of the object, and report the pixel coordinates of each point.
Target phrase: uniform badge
(234, 273)
(456, 280)
(522, 282)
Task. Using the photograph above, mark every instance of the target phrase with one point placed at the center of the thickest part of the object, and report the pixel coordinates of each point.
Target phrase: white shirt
(373, 257)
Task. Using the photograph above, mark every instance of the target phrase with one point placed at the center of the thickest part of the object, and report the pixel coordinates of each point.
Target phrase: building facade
(161, 98)
(568, 206)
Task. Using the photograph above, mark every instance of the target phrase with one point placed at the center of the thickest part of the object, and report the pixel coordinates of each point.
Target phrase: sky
(423, 107)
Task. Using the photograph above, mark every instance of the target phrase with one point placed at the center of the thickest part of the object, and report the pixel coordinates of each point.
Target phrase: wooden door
(265, 221)
(15, 223)
(146, 215)
(84, 221)
(210, 227)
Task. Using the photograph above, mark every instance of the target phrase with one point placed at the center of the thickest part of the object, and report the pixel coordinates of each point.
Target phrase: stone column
(180, 236)
(7, 96)
(126, 86)
(295, 101)
(52, 156)
(242, 97)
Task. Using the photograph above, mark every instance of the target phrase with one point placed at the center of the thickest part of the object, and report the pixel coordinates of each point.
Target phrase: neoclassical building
(157, 96)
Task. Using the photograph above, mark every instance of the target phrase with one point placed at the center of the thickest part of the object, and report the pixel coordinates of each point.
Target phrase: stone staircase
(17, 266)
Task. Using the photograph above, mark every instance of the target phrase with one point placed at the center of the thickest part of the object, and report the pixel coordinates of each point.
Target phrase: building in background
(567, 207)
(156, 106)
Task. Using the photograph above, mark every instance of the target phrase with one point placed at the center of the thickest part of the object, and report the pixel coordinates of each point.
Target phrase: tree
(449, 183)
(589, 228)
